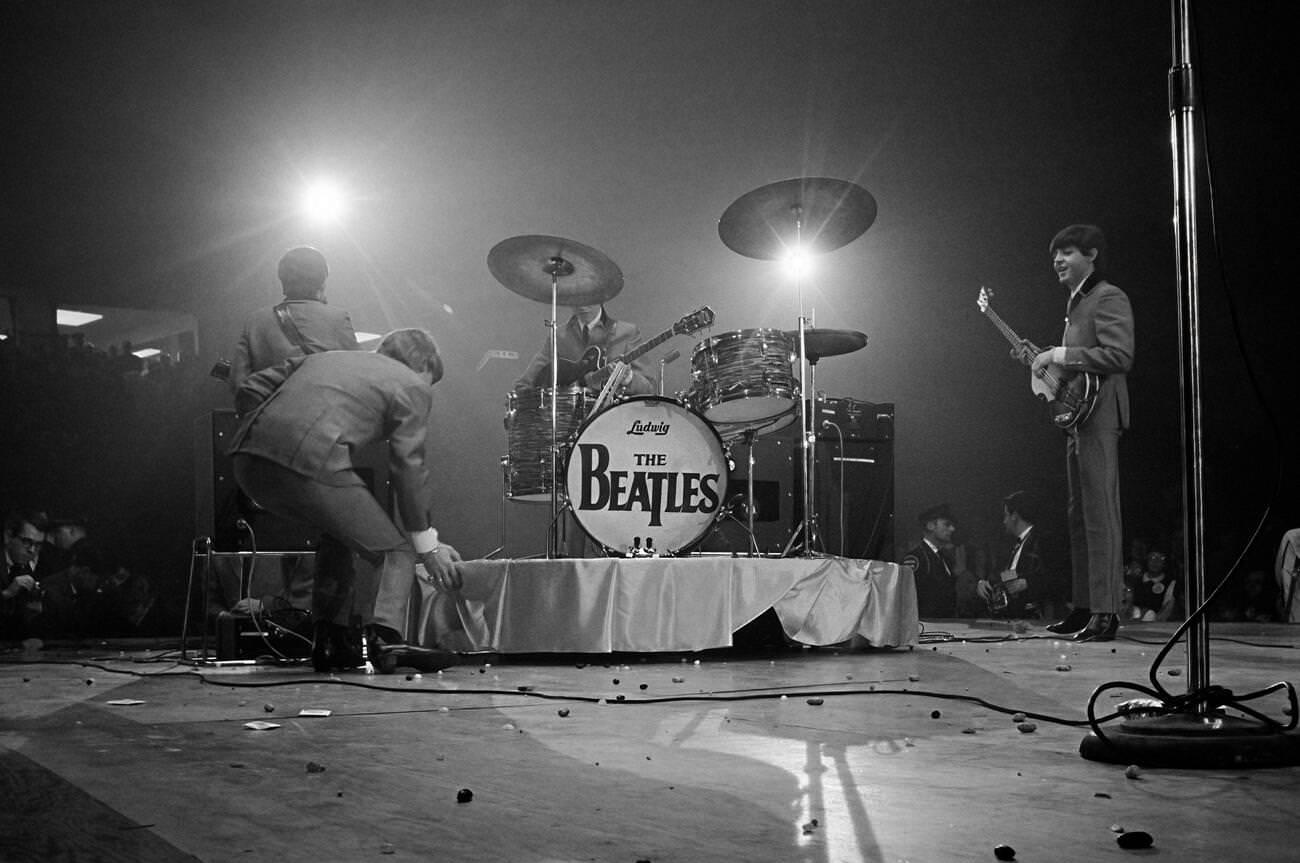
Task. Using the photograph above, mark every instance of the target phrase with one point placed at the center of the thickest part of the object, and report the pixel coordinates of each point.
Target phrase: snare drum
(647, 471)
(528, 438)
(743, 377)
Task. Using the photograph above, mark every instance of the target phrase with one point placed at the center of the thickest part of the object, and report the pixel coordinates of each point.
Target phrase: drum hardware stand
(750, 506)
(663, 361)
(555, 267)
(808, 526)
(505, 487)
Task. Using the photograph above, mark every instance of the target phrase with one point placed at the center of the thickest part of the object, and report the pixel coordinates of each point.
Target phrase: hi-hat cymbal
(583, 276)
(820, 214)
(828, 343)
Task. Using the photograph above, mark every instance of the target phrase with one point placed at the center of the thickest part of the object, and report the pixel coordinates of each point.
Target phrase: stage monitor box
(220, 503)
(853, 492)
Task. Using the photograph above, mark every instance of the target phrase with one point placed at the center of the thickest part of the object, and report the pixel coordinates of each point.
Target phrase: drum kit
(648, 474)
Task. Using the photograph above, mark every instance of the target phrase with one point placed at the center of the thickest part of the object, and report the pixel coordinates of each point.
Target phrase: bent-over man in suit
(293, 456)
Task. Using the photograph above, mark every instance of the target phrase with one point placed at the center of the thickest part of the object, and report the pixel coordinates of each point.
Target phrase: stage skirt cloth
(642, 605)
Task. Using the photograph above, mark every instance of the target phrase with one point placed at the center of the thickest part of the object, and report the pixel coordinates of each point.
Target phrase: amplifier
(856, 420)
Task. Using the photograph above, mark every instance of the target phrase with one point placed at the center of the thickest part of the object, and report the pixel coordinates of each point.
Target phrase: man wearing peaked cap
(936, 585)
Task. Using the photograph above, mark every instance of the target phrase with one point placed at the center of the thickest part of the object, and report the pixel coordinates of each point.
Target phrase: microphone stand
(1192, 731)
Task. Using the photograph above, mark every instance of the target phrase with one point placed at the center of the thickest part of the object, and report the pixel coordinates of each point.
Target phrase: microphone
(669, 357)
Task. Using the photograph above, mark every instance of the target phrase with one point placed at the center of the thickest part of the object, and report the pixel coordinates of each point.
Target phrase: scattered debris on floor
(1134, 840)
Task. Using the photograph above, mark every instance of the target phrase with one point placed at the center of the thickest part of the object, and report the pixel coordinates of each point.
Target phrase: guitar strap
(290, 329)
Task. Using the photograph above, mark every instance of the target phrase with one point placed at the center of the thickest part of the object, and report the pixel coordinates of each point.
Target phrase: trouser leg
(383, 563)
(1099, 513)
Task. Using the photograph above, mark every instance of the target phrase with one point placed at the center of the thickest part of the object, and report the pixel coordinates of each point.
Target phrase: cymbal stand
(555, 267)
(807, 450)
(750, 506)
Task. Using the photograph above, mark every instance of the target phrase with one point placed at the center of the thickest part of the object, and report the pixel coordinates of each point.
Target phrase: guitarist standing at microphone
(1098, 338)
(589, 327)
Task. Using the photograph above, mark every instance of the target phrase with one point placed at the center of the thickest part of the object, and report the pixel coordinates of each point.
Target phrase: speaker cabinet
(220, 503)
(853, 494)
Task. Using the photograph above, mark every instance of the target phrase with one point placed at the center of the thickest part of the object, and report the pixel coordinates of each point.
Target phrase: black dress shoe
(1073, 622)
(1102, 627)
(387, 651)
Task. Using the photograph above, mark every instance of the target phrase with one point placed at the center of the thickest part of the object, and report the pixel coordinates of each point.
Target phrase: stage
(801, 754)
(652, 605)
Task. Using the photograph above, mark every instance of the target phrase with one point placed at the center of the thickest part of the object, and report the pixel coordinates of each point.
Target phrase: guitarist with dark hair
(590, 340)
(1098, 339)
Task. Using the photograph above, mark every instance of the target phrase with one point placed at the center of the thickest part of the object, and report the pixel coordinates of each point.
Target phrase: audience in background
(1155, 594)
(20, 592)
(87, 593)
(1014, 590)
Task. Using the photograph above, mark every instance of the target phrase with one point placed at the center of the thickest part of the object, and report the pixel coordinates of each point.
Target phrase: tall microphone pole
(1193, 732)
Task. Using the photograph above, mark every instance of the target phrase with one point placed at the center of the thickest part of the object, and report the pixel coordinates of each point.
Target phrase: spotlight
(323, 201)
(797, 263)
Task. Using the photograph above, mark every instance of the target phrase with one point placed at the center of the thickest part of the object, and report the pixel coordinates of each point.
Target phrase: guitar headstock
(985, 300)
(696, 320)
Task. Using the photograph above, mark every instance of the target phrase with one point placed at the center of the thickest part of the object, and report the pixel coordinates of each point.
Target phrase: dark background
(154, 152)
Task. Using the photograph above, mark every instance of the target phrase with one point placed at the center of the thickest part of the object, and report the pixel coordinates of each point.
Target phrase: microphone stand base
(1194, 741)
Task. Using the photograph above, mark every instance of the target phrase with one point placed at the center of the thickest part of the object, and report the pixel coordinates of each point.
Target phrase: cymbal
(583, 276)
(769, 221)
(828, 343)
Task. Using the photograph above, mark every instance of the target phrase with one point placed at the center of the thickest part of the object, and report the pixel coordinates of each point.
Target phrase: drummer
(586, 345)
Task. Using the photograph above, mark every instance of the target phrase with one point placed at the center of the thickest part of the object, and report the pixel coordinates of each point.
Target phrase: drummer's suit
(1098, 338)
(616, 338)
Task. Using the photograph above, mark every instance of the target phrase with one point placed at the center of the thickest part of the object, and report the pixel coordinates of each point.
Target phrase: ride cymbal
(583, 275)
(819, 214)
(828, 343)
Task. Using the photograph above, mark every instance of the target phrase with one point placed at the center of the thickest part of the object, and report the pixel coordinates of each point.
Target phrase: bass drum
(528, 438)
(647, 472)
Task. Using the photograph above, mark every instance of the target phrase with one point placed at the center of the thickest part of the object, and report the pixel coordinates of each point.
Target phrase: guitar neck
(1007, 333)
(647, 346)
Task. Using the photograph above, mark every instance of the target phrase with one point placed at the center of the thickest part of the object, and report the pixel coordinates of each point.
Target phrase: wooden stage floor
(724, 759)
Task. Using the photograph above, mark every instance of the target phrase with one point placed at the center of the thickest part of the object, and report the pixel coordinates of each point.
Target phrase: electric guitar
(1070, 396)
(593, 358)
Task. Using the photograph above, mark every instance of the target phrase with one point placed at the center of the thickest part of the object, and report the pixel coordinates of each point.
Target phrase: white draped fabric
(646, 605)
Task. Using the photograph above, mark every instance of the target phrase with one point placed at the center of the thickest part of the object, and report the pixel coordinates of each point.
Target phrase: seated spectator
(1154, 593)
(1258, 598)
(87, 594)
(1014, 591)
(20, 592)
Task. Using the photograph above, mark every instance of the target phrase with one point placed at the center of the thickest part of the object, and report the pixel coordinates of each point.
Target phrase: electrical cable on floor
(772, 693)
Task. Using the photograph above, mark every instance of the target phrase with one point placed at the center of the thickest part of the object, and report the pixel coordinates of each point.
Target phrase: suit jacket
(334, 403)
(1099, 338)
(263, 344)
(936, 587)
(616, 337)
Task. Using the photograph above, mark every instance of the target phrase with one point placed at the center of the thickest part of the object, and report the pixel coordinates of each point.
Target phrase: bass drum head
(647, 469)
